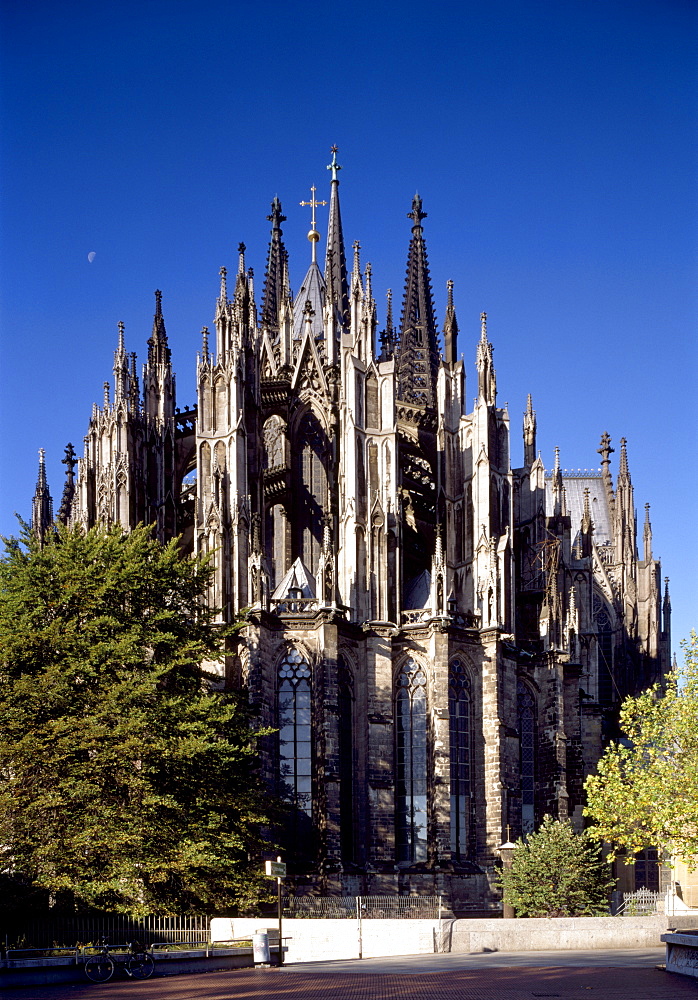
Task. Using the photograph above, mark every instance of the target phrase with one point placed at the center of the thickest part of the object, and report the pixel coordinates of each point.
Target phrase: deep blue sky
(553, 144)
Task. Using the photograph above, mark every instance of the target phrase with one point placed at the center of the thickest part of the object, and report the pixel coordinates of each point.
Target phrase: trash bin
(260, 948)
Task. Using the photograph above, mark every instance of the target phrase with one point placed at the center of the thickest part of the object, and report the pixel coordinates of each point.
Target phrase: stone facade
(441, 639)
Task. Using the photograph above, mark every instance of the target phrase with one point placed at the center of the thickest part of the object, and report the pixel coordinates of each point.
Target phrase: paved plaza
(628, 975)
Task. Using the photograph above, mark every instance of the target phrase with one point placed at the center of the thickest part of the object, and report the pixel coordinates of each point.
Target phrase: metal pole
(358, 917)
(279, 907)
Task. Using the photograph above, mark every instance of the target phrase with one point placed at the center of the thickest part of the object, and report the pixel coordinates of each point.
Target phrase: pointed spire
(558, 488)
(335, 258)
(42, 504)
(647, 535)
(222, 303)
(605, 451)
(450, 328)
(106, 397)
(356, 270)
(230, 324)
(368, 274)
(529, 433)
(586, 527)
(158, 335)
(586, 513)
(274, 279)
(133, 382)
(204, 345)
(70, 462)
(623, 473)
(158, 351)
(572, 606)
(387, 337)
(439, 547)
(418, 358)
(121, 380)
(486, 376)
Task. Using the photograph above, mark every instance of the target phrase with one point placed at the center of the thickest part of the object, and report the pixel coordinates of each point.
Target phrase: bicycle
(137, 965)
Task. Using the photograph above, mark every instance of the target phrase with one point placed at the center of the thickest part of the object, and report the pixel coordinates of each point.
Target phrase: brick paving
(463, 984)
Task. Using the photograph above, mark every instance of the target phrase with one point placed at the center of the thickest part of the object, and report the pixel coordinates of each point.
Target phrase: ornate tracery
(411, 754)
(460, 731)
(295, 745)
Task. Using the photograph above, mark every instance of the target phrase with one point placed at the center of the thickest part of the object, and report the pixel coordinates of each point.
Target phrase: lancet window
(295, 745)
(310, 449)
(605, 654)
(460, 731)
(411, 757)
(345, 705)
(526, 706)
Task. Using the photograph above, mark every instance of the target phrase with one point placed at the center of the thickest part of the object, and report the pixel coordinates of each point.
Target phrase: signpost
(277, 869)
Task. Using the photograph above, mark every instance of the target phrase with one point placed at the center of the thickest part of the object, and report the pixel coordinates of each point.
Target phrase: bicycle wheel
(99, 968)
(141, 966)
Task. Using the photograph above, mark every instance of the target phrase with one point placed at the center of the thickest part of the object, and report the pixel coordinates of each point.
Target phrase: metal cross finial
(334, 166)
(313, 205)
(313, 235)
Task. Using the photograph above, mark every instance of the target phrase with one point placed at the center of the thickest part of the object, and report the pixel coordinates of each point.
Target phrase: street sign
(275, 869)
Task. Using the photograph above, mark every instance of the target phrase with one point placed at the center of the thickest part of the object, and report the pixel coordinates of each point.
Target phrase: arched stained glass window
(460, 723)
(605, 655)
(345, 705)
(295, 731)
(310, 489)
(527, 757)
(411, 753)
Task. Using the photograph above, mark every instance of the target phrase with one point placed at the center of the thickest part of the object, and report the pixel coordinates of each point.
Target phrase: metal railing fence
(640, 903)
(70, 931)
(365, 907)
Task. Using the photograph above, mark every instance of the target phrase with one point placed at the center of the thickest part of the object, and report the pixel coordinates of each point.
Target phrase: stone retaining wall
(324, 939)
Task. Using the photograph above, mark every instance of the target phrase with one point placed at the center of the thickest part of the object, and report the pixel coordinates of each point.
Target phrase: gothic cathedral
(441, 640)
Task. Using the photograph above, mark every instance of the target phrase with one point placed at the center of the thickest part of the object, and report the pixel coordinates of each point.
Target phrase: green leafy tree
(645, 790)
(126, 779)
(557, 873)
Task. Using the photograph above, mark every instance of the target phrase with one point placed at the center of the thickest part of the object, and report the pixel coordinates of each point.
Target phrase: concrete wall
(312, 940)
(319, 939)
(559, 934)
(682, 953)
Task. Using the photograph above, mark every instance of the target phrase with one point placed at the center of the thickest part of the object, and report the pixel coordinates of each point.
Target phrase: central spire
(313, 289)
(418, 358)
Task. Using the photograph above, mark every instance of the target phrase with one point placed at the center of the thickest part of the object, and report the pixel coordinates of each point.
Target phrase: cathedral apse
(441, 640)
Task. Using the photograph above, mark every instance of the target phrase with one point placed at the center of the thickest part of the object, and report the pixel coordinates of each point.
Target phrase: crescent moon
(91, 256)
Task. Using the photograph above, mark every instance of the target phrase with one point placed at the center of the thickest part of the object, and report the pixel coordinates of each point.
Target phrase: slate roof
(314, 290)
(575, 482)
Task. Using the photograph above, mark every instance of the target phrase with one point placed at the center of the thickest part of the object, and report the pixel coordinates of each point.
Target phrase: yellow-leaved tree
(645, 791)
